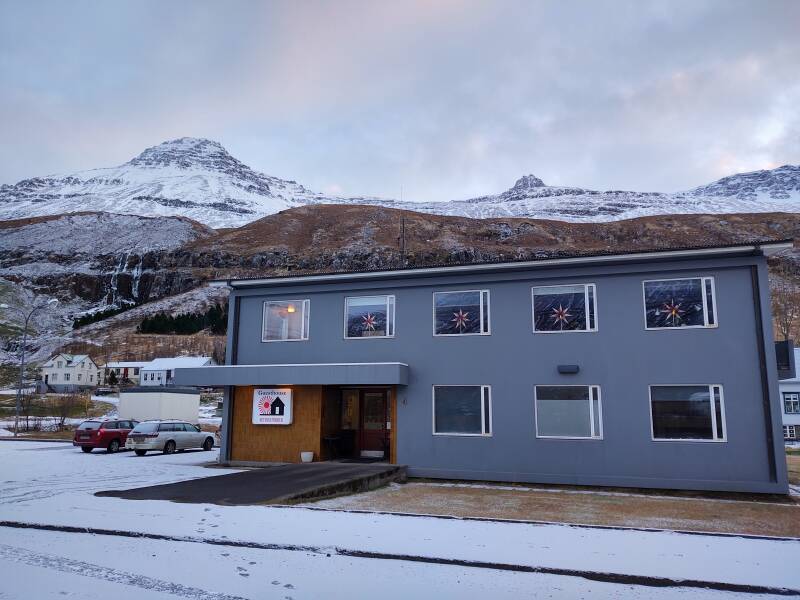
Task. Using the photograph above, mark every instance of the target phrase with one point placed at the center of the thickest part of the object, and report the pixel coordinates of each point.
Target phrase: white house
(67, 372)
(161, 370)
(790, 404)
(124, 371)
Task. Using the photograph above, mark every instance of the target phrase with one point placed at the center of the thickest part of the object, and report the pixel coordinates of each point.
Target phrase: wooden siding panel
(277, 443)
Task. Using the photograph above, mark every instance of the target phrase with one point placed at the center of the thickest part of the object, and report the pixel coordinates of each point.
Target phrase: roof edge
(767, 248)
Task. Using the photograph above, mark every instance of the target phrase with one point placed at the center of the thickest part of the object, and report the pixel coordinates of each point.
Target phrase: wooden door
(374, 440)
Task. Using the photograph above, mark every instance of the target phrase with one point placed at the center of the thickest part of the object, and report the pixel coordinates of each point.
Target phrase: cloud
(446, 99)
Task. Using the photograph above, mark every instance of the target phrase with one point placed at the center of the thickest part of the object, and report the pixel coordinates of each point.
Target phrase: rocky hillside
(199, 179)
(93, 261)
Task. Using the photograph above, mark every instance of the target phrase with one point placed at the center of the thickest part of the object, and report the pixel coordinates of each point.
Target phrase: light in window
(285, 320)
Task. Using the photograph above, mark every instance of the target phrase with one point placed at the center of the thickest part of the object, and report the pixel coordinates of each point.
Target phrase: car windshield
(89, 425)
(145, 428)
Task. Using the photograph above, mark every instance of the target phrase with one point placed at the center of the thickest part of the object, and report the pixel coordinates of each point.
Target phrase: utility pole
(26, 321)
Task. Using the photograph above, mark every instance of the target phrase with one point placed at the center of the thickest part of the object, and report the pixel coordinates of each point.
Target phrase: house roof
(178, 362)
(755, 247)
(71, 359)
(126, 364)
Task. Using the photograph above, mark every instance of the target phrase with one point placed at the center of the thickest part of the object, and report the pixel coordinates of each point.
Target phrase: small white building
(161, 370)
(790, 404)
(67, 372)
(151, 403)
(124, 371)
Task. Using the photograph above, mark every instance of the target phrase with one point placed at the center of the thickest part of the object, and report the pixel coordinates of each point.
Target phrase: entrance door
(374, 441)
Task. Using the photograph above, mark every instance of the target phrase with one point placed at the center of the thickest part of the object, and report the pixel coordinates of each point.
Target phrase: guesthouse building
(651, 369)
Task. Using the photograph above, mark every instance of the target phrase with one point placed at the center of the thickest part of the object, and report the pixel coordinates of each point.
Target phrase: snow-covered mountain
(189, 177)
(197, 178)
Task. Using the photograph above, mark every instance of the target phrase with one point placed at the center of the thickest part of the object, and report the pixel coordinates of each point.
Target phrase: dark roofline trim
(765, 247)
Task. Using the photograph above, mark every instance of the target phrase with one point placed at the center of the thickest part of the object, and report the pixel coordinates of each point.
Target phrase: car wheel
(113, 446)
(140, 452)
(169, 447)
(87, 449)
(208, 444)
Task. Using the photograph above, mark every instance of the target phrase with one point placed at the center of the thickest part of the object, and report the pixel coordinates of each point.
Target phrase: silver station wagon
(167, 437)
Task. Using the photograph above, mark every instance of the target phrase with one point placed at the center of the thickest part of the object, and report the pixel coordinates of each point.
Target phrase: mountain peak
(184, 153)
(527, 182)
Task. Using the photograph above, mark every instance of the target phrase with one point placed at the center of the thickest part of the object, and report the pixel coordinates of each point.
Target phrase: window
(791, 403)
(568, 411)
(285, 320)
(80, 376)
(687, 412)
(60, 364)
(790, 432)
(461, 313)
(135, 370)
(91, 377)
(369, 317)
(676, 303)
(66, 376)
(561, 308)
(54, 377)
(462, 410)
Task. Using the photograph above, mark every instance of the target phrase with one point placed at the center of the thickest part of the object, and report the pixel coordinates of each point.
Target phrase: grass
(793, 464)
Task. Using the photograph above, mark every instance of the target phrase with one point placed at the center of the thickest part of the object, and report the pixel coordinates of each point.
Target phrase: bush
(215, 319)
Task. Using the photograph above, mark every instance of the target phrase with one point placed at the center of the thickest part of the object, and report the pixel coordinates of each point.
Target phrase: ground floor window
(568, 411)
(462, 410)
(790, 432)
(687, 412)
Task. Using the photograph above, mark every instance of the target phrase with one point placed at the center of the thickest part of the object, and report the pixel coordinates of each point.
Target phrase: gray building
(649, 369)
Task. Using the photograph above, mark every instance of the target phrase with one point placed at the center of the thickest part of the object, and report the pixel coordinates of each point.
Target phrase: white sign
(272, 406)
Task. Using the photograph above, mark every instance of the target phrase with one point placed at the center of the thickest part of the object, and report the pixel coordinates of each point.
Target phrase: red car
(110, 435)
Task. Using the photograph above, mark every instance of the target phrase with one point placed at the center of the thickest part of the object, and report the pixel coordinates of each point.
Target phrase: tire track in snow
(93, 571)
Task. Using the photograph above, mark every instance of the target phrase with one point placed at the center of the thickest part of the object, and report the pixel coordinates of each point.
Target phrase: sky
(443, 99)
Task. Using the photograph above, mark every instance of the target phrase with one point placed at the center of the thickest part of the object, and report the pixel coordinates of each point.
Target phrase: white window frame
(391, 309)
(487, 389)
(787, 429)
(710, 386)
(306, 320)
(585, 302)
(66, 376)
(481, 311)
(594, 435)
(706, 324)
(796, 399)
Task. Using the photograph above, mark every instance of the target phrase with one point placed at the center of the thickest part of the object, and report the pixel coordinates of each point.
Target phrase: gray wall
(622, 358)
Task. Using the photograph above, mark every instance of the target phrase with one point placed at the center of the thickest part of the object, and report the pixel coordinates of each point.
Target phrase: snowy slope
(761, 191)
(197, 178)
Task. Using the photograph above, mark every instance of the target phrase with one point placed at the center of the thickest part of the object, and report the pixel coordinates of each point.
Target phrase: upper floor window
(791, 403)
(285, 320)
(687, 412)
(461, 313)
(369, 317)
(675, 303)
(559, 308)
(60, 364)
(568, 411)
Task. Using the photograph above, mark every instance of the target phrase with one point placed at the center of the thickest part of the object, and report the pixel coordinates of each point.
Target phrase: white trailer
(152, 403)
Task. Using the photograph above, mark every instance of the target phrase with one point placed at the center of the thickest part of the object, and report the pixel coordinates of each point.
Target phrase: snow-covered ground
(312, 550)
